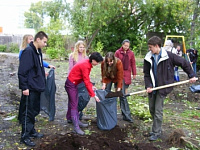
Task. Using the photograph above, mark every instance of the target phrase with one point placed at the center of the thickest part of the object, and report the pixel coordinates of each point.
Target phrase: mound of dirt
(115, 139)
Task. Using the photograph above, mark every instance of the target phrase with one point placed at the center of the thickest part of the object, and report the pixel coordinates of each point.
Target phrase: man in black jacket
(31, 77)
(193, 54)
(158, 71)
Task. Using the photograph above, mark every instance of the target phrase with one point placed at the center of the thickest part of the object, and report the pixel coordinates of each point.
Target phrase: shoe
(80, 115)
(129, 120)
(36, 135)
(154, 137)
(150, 134)
(69, 121)
(84, 125)
(27, 142)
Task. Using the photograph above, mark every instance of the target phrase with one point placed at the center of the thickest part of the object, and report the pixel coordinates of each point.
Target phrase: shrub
(14, 48)
(52, 52)
(3, 48)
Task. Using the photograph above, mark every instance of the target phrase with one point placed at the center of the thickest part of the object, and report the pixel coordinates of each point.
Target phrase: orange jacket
(119, 76)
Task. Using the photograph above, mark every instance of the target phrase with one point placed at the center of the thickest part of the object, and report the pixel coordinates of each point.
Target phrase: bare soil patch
(59, 134)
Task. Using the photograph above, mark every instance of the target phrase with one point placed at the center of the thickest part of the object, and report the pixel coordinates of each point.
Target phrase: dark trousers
(156, 110)
(29, 109)
(126, 113)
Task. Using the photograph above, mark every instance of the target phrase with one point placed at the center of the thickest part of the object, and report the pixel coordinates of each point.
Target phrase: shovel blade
(114, 94)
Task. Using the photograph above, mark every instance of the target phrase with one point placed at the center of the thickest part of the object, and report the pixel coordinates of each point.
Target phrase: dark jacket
(165, 70)
(31, 72)
(193, 56)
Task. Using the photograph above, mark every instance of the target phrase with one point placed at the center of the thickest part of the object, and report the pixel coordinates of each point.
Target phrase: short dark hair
(155, 40)
(126, 40)
(96, 56)
(41, 35)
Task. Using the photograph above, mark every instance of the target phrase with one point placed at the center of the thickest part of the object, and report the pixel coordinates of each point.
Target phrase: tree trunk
(193, 24)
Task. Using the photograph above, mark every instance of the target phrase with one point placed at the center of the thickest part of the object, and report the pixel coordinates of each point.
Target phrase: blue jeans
(194, 65)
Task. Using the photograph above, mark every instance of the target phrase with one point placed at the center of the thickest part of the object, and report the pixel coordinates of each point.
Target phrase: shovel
(119, 93)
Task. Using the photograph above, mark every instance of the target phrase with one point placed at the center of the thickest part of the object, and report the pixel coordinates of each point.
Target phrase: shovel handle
(189, 61)
(160, 87)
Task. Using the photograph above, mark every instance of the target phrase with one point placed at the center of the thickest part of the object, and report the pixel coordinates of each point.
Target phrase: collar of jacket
(34, 48)
(163, 57)
(122, 51)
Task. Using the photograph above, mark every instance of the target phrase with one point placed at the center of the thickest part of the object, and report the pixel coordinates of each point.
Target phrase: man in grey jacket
(158, 71)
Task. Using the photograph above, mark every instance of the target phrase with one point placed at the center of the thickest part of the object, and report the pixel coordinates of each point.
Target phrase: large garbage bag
(47, 98)
(195, 88)
(106, 111)
(83, 96)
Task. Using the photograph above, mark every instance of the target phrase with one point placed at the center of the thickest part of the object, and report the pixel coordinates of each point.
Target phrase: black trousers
(29, 109)
(126, 113)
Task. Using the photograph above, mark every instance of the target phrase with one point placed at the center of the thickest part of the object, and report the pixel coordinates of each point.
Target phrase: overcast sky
(11, 10)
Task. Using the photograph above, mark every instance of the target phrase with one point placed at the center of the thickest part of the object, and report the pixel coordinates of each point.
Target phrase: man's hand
(192, 80)
(46, 74)
(25, 92)
(149, 90)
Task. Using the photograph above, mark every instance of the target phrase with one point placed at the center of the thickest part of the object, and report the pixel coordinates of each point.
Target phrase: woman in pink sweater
(77, 55)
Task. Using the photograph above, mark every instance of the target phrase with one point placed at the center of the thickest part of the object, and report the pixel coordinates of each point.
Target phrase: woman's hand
(51, 66)
(103, 86)
(94, 88)
(96, 98)
(118, 89)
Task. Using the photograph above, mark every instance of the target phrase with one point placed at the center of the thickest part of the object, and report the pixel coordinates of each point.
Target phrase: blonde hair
(76, 47)
(25, 41)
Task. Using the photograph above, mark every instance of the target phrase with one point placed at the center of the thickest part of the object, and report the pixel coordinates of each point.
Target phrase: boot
(75, 121)
(84, 125)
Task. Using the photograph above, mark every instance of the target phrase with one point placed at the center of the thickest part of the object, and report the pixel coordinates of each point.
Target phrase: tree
(195, 23)
(35, 15)
(110, 22)
(53, 13)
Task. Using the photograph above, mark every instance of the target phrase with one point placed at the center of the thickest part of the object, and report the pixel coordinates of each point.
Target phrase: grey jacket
(165, 70)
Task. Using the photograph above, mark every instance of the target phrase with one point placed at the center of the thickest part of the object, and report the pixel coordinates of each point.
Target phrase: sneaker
(27, 142)
(154, 137)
